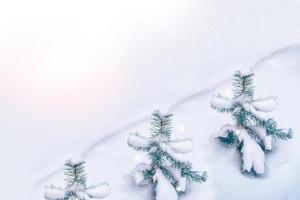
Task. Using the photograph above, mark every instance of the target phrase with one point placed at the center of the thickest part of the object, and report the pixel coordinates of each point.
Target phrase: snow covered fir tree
(167, 175)
(76, 185)
(252, 132)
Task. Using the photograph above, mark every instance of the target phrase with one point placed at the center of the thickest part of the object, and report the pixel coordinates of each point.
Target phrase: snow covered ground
(78, 78)
(194, 118)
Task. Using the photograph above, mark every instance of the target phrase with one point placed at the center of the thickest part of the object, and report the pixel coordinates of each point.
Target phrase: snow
(82, 195)
(201, 122)
(252, 154)
(175, 146)
(164, 190)
(138, 175)
(76, 187)
(70, 87)
(54, 193)
(265, 105)
(137, 140)
(250, 108)
(100, 191)
(164, 111)
(181, 184)
(96, 192)
(220, 103)
(245, 71)
(75, 160)
(181, 181)
(182, 146)
(267, 139)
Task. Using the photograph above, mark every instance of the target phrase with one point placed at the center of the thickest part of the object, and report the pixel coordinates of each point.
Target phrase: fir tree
(251, 133)
(167, 174)
(76, 186)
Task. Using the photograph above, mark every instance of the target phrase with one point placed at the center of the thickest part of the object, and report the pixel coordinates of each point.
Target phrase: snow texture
(164, 190)
(245, 71)
(138, 175)
(221, 185)
(267, 139)
(252, 154)
(137, 140)
(164, 111)
(199, 118)
(68, 92)
(220, 102)
(80, 195)
(182, 146)
(98, 192)
(54, 193)
(181, 181)
(179, 146)
(75, 188)
(265, 105)
(248, 106)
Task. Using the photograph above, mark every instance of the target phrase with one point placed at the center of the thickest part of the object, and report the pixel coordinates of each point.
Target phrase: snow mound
(164, 190)
(220, 102)
(54, 193)
(267, 139)
(265, 105)
(252, 154)
(99, 191)
(137, 140)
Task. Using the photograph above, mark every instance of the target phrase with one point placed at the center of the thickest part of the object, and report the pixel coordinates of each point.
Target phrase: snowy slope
(76, 78)
(194, 118)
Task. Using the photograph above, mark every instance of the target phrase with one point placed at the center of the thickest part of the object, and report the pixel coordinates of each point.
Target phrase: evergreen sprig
(161, 125)
(75, 173)
(75, 181)
(243, 84)
(160, 157)
(139, 148)
(276, 133)
(245, 114)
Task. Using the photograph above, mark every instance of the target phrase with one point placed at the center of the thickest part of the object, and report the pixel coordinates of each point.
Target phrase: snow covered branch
(221, 103)
(253, 156)
(76, 184)
(167, 174)
(182, 146)
(54, 193)
(253, 131)
(138, 142)
(265, 105)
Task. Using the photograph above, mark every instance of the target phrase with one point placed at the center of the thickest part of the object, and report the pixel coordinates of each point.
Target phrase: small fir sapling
(167, 175)
(76, 186)
(250, 132)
